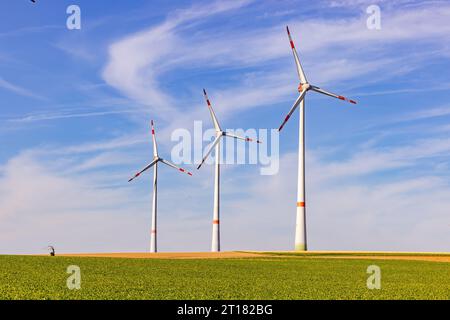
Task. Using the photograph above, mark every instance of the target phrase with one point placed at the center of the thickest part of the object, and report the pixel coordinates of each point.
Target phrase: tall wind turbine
(215, 246)
(154, 164)
(300, 228)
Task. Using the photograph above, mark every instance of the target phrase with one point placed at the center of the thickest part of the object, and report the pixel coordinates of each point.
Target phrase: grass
(32, 277)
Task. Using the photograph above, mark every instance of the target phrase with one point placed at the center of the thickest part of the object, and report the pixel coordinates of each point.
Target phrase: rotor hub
(303, 86)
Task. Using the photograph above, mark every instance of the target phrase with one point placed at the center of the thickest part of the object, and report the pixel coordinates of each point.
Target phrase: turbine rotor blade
(211, 111)
(301, 73)
(296, 103)
(241, 138)
(319, 90)
(155, 147)
(170, 164)
(151, 164)
(210, 149)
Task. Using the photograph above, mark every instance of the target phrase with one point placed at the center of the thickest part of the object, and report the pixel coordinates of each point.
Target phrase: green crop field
(32, 277)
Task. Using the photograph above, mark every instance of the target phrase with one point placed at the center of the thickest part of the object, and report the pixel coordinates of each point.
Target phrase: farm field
(240, 275)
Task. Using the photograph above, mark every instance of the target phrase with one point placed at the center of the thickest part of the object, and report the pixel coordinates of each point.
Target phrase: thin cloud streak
(19, 90)
(59, 116)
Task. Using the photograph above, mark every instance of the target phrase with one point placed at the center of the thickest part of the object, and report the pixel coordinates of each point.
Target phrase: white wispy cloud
(376, 159)
(427, 113)
(133, 61)
(122, 141)
(338, 50)
(19, 90)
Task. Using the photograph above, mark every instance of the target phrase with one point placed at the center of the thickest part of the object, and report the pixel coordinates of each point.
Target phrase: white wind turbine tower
(215, 246)
(154, 164)
(300, 228)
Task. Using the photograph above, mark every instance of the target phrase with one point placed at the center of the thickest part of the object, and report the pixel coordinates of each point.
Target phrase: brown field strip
(390, 257)
(433, 257)
(169, 255)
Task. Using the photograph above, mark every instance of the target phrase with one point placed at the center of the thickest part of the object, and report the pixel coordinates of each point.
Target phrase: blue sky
(76, 105)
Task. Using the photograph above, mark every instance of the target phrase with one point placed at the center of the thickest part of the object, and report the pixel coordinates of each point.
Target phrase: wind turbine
(52, 250)
(154, 164)
(215, 246)
(300, 228)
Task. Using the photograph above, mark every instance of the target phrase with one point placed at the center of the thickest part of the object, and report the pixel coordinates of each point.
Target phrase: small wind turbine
(154, 164)
(51, 250)
(215, 246)
(300, 229)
